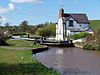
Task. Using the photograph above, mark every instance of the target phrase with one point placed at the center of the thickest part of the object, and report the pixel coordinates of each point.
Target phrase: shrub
(97, 47)
(48, 30)
(89, 47)
(18, 34)
(3, 43)
(6, 37)
(80, 35)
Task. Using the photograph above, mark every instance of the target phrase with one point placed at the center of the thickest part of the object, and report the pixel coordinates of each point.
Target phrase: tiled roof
(80, 18)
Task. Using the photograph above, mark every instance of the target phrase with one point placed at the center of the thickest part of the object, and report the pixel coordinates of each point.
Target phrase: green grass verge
(21, 62)
(23, 43)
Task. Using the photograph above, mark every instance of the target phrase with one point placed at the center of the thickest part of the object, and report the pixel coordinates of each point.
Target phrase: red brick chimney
(61, 13)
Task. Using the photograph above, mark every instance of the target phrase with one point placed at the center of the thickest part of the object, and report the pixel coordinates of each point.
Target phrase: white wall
(84, 26)
(68, 32)
(80, 26)
(72, 33)
(59, 30)
(75, 24)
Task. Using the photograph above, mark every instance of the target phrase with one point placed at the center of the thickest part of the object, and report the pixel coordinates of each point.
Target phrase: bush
(97, 47)
(89, 47)
(3, 43)
(47, 30)
(43, 32)
(18, 34)
(80, 35)
(7, 37)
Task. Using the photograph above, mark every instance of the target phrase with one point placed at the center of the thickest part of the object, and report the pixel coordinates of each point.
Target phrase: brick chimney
(61, 13)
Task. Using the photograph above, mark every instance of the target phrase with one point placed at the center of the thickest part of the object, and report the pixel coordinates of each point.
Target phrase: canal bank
(37, 50)
(78, 46)
(87, 46)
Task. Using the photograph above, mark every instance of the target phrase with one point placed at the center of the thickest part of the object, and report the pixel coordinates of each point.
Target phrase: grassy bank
(87, 46)
(92, 42)
(95, 24)
(20, 62)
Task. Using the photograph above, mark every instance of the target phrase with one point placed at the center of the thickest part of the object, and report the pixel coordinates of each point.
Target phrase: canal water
(71, 61)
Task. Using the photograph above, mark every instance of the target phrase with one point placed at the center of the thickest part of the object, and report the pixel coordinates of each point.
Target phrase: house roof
(80, 18)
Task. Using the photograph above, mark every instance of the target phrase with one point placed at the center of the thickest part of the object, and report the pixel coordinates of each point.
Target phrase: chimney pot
(61, 13)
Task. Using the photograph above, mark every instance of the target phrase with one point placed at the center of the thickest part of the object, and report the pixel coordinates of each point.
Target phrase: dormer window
(71, 23)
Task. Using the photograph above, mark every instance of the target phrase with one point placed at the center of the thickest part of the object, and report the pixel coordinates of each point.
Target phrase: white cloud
(11, 6)
(27, 1)
(8, 9)
(2, 18)
(3, 10)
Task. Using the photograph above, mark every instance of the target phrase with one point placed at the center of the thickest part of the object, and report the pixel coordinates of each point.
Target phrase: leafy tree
(7, 26)
(48, 30)
(44, 32)
(24, 26)
(52, 28)
(1, 35)
(32, 29)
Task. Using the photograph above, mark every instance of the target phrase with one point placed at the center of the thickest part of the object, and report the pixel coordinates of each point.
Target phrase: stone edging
(37, 50)
(79, 46)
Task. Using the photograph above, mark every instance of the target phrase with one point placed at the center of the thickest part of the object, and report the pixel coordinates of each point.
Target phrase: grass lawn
(20, 62)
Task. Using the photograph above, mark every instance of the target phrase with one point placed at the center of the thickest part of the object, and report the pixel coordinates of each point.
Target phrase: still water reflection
(71, 61)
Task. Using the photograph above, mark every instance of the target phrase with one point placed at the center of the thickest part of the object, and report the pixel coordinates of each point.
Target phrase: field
(95, 24)
(17, 60)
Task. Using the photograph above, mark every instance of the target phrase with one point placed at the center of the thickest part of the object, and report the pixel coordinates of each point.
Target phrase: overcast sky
(40, 11)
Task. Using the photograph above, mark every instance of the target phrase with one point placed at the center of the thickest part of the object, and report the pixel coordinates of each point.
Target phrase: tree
(24, 26)
(43, 32)
(52, 27)
(1, 35)
(7, 26)
(32, 29)
(48, 30)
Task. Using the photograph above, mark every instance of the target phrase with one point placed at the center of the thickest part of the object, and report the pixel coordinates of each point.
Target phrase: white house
(69, 24)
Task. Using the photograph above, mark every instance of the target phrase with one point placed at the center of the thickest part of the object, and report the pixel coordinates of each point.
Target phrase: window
(70, 23)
